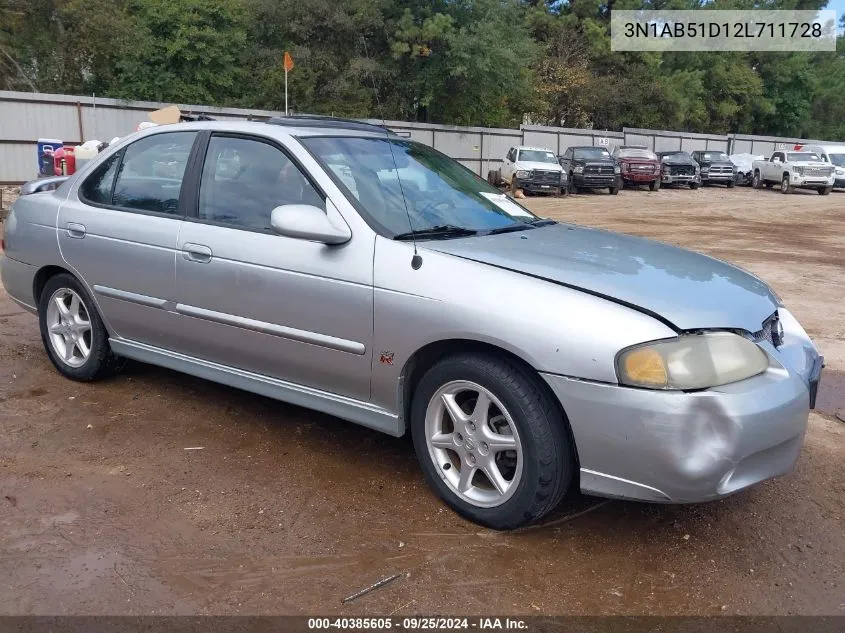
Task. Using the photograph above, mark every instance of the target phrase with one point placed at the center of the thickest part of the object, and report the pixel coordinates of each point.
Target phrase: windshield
(591, 152)
(714, 156)
(799, 156)
(677, 156)
(537, 156)
(837, 159)
(635, 152)
(439, 191)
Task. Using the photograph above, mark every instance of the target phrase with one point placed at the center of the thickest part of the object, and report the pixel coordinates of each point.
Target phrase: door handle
(196, 253)
(75, 230)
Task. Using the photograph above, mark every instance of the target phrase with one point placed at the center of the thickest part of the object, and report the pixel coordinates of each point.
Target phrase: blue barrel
(46, 147)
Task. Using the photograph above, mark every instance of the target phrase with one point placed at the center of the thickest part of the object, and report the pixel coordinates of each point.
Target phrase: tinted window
(150, 177)
(714, 156)
(97, 187)
(243, 180)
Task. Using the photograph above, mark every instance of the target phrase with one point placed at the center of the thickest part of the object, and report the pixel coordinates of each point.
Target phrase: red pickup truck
(638, 166)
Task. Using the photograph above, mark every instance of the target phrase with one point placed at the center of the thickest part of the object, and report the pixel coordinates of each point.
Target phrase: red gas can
(64, 161)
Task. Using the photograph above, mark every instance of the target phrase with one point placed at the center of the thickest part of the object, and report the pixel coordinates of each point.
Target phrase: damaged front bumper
(677, 447)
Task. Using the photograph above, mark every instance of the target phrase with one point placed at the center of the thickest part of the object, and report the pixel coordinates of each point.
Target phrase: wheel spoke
(492, 472)
(481, 412)
(80, 327)
(83, 348)
(497, 441)
(74, 306)
(465, 480)
(69, 345)
(455, 412)
(60, 304)
(443, 440)
(56, 328)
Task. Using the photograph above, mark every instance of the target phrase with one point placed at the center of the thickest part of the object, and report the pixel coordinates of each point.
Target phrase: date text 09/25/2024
(419, 623)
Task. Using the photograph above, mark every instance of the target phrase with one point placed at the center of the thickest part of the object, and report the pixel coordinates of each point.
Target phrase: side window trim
(202, 157)
(120, 154)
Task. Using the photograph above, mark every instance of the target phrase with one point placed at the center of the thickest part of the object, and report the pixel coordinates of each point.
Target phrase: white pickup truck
(794, 169)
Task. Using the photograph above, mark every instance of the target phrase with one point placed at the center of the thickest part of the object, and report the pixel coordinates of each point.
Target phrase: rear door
(249, 298)
(119, 230)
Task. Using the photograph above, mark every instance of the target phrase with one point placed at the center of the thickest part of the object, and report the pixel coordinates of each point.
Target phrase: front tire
(823, 191)
(73, 333)
(731, 184)
(756, 181)
(785, 187)
(694, 185)
(614, 191)
(654, 185)
(491, 442)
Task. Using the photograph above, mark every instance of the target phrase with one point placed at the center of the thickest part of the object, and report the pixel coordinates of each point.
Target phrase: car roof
(304, 127)
(587, 147)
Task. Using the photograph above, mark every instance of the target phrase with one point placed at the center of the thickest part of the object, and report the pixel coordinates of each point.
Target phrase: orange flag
(288, 64)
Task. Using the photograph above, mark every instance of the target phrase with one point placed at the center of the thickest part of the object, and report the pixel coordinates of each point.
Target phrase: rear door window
(97, 187)
(151, 173)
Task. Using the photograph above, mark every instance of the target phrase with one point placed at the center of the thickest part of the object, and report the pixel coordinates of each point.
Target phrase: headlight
(799, 170)
(616, 169)
(840, 172)
(579, 169)
(523, 174)
(694, 361)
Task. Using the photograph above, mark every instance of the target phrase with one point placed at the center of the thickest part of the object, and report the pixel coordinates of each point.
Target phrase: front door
(119, 233)
(249, 298)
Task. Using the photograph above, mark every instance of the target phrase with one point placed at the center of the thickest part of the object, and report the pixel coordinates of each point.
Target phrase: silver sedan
(337, 266)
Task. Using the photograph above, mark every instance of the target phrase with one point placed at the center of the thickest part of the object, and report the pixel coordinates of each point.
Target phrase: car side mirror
(307, 222)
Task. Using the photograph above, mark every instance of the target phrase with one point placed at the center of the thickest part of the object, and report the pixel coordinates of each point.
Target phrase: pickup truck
(531, 169)
(794, 170)
(638, 166)
(589, 167)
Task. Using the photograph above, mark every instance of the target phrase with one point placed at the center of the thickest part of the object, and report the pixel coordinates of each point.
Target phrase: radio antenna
(416, 260)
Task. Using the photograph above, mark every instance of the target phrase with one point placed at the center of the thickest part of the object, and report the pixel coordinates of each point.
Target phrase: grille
(769, 332)
(682, 170)
(817, 171)
(598, 170)
(642, 167)
(721, 170)
(545, 177)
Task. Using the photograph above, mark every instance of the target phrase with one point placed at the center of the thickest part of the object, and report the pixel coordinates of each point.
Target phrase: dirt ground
(103, 510)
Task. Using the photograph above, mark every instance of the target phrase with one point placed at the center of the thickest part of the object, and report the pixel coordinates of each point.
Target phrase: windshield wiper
(442, 230)
(520, 226)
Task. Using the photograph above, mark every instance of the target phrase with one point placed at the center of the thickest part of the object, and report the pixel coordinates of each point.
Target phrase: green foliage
(467, 62)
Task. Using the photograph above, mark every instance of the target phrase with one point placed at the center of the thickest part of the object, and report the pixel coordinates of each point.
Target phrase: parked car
(794, 170)
(532, 169)
(679, 169)
(716, 168)
(638, 165)
(588, 167)
(833, 155)
(744, 163)
(370, 277)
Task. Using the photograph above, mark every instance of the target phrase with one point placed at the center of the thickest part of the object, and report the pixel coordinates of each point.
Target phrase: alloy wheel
(474, 443)
(69, 327)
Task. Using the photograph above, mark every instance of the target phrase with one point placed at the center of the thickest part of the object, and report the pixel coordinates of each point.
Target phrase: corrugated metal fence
(26, 117)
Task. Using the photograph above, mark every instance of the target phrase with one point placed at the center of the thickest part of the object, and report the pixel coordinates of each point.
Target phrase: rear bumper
(17, 278)
(675, 447)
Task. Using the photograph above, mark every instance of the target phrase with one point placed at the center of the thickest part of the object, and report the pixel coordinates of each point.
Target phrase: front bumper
(538, 187)
(722, 178)
(594, 182)
(675, 447)
(812, 181)
(839, 183)
(640, 177)
(680, 179)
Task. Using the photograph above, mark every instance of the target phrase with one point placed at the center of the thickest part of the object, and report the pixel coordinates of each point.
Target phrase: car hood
(809, 163)
(530, 164)
(689, 290)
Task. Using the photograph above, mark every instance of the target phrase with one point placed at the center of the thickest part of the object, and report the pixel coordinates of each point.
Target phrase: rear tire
(493, 177)
(73, 332)
(520, 437)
